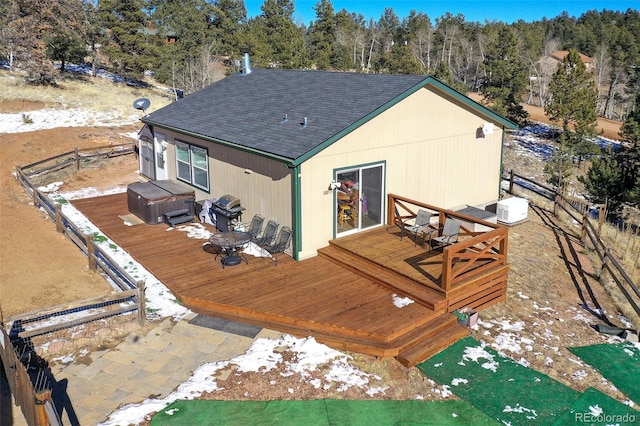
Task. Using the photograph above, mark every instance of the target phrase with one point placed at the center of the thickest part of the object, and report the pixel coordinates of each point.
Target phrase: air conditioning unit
(512, 210)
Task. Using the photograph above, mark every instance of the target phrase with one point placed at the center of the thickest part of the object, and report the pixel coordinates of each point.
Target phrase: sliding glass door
(359, 198)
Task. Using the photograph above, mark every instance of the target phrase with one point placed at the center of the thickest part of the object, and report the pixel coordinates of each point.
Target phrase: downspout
(297, 208)
(504, 131)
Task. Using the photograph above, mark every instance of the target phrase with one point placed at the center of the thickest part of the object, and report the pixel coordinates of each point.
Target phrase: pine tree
(630, 153)
(602, 183)
(322, 35)
(125, 41)
(573, 103)
(506, 75)
(273, 38)
(560, 164)
(28, 27)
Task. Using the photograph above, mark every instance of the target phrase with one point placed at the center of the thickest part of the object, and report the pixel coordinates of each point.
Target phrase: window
(192, 165)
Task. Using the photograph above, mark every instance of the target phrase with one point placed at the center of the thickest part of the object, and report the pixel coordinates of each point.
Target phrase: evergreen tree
(602, 183)
(126, 41)
(506, 78)
(630, 152)
(30, 24)
(65, 48)
(322, 35)
(399, 60)
(573, 103)
(273, 38)
(560, 165)
(229, 17)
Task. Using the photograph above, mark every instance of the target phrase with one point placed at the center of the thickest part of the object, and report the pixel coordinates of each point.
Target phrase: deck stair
(412, 347)
(409, 347)
(403, 285)
(416, 345)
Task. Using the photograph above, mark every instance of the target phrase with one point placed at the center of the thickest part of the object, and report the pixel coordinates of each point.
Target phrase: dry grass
(98, 94)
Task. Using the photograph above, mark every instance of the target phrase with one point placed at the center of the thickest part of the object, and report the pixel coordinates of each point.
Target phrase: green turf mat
(595, 408)
(206, 412)
(618, 363)
(497, 385)
(321, 412)
(369, 413)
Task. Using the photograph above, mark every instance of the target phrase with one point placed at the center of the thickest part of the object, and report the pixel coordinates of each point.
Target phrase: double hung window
(192, 165)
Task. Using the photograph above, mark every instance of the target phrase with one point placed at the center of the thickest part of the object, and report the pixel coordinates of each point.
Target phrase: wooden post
(59, 224)
(41, 412)
(446, 269)
(77, 154)
(91, 255)
(511, 181)
(142, 309)
(583, 234)
(605, 264)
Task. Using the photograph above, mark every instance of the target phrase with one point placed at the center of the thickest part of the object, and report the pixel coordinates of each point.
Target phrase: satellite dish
(141, 103)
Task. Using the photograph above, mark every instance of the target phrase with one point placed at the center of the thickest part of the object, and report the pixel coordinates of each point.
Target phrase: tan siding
(427, 142)
(265, 190)
(431, 153)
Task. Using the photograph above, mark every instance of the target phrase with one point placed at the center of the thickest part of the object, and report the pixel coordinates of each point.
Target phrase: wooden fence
(579, 212)
(30, 386)
(32, 392)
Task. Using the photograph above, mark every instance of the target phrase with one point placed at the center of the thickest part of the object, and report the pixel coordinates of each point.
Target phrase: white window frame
(193, 168)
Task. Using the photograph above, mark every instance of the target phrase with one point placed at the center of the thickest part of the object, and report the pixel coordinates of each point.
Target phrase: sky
(473, 10)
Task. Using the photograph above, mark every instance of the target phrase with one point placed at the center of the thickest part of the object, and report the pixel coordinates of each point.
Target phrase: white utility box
(511, 210)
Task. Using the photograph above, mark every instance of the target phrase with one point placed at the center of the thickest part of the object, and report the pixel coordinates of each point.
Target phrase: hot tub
(151, 200)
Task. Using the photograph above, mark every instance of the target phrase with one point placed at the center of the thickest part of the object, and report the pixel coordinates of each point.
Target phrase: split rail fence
(579, 212)
(29, 383)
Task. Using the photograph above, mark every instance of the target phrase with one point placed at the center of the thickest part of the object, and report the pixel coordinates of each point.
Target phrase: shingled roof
(265, 111)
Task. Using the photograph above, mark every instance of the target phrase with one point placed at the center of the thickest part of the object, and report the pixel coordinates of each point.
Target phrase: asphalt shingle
(249, 110)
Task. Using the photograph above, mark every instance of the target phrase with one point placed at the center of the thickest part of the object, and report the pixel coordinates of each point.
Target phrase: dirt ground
(550, 282)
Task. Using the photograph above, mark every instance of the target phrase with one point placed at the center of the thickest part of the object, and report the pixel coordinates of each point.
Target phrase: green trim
(429, 81)
(286, 161)
(297, 213)
(501, 164)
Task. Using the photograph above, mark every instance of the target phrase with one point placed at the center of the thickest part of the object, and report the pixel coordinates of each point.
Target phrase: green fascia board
(429, 81)
(288, 162)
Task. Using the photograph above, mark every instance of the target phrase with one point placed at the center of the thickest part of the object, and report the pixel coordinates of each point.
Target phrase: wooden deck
(343, 297)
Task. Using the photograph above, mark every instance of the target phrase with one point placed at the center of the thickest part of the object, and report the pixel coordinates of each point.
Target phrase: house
(549, 63)
(295, 146)
(559, 55)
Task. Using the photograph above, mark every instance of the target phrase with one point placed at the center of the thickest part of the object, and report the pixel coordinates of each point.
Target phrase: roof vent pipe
(246, 63)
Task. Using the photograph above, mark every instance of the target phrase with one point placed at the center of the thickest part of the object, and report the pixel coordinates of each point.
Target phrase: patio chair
(255, 226)
(450, 232)
(281, 244)
(418, 226)
(268, 235)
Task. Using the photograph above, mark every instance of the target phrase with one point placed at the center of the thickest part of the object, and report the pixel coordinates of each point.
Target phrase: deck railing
(474, 253)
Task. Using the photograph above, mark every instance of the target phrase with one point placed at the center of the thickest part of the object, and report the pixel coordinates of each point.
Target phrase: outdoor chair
(255, 226)
(449, 235)
(281, 244)
(418, 227)
(268, 235)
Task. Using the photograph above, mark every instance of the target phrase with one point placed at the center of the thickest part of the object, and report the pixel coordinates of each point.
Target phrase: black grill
(224, 218)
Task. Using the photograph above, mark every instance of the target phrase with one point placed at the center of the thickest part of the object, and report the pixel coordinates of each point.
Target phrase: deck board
(314, 296)
(313, 290)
